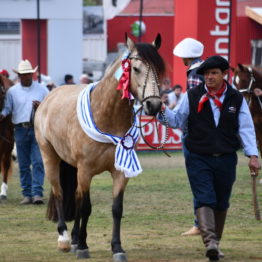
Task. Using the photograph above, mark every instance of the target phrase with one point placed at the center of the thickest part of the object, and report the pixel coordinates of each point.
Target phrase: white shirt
(18, 101)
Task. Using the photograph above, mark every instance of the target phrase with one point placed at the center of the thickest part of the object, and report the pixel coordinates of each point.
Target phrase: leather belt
(25, 125)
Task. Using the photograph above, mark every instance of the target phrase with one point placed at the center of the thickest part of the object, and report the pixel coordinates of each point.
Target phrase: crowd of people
(214, 118)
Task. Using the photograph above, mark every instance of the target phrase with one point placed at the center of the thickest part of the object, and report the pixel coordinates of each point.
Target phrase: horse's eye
(136, 70)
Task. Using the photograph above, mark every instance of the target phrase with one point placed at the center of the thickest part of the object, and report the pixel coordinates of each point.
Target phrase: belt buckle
(26, 125)
(217, 154)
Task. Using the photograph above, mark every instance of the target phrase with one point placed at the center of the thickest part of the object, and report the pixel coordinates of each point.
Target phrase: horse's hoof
(73, 248)
(119, 257)
(82, 253)
(64, 246)
(3, 197)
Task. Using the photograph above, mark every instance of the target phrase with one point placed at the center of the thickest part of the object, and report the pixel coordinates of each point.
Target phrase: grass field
(157, 209)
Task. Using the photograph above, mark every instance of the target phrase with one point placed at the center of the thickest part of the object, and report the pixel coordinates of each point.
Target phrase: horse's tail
(68, 181)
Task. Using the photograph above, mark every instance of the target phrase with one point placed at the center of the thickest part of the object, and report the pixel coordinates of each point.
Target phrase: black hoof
(119, 257)
(212, 254)
(80, 254)
(3, 197)
(73, 248)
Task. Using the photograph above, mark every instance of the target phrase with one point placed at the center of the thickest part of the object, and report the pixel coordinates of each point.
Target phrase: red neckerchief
(124, 81)
(215, 97)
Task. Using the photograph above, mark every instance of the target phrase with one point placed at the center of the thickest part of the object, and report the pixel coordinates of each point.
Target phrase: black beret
(215, 61)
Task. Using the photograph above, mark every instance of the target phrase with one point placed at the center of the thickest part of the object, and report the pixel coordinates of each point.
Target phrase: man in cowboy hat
(21, 101)
(219, 122)
(190, 51)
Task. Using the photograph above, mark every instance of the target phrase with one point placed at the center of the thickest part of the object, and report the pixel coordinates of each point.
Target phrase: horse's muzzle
(152, 106)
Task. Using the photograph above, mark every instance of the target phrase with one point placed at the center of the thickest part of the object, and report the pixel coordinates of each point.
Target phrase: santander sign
(221, 30)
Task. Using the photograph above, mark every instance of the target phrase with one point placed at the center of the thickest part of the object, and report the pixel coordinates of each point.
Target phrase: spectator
(219, 122)
(175, 96)
(69, 79)
(84, 79)
(21, 101)
(190, 51)
(4, 72)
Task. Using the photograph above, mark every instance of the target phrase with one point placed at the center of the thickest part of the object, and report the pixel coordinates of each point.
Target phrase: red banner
(155, 135)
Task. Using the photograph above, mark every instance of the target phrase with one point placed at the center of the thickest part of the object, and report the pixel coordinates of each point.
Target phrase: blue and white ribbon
(126, 159)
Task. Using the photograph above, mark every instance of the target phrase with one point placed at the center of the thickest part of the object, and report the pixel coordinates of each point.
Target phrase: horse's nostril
(153, 107)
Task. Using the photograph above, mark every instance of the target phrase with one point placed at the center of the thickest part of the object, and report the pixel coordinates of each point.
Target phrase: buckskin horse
(6, 139)
(246, 79)
(61, 124)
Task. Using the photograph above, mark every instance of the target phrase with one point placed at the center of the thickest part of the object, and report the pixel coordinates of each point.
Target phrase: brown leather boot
(220, 218)
(206, 220)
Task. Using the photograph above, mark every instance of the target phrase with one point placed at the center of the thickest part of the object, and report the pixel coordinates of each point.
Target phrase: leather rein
(155, 83)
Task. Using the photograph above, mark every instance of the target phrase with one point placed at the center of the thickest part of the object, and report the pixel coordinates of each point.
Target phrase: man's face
(214, 78)
(178, 91)
(26, 79)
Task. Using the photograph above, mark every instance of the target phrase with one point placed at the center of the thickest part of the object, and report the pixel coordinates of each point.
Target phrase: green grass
(157, 209)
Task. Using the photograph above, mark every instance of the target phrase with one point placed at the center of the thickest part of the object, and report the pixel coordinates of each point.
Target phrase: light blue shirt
(177, 118)
(18, 101)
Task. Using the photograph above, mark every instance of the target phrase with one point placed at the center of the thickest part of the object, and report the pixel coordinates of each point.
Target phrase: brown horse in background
(61, 138)
(246, 79)
(6, 139)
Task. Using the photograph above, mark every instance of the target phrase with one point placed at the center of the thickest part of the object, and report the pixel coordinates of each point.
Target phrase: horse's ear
(157, 42)
(241, 67)
(129, 42)
(232, 69)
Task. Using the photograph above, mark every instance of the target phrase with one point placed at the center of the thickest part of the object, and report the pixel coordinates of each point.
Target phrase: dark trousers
(211, 178)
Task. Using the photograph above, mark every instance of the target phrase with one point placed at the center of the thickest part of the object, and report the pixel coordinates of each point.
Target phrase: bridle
(156, 84)
(249, 90)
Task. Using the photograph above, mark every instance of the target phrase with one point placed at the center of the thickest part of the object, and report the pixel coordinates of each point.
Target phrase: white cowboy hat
(189, 48)
(25, 67)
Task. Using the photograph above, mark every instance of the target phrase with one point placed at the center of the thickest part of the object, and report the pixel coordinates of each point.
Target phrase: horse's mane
(147, 53)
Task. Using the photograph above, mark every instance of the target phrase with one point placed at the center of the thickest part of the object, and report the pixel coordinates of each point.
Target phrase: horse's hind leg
(120, 183)
(55, 211)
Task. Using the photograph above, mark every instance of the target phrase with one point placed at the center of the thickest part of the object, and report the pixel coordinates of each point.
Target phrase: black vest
(204, 137)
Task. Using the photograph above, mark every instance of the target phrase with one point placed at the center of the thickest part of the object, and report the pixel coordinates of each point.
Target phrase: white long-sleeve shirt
(18, 101)
(177, 118)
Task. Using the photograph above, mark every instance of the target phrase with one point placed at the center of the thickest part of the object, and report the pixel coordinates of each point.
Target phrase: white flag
(113, 7)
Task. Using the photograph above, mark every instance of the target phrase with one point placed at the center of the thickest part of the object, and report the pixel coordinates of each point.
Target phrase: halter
(249, 90)
(156, 84)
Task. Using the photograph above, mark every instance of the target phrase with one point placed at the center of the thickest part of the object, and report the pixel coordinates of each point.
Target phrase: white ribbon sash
(126, 159)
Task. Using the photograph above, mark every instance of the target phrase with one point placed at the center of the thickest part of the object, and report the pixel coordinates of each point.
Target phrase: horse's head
(5, 83)
(147, 70)
(246, 79)
(2, 91)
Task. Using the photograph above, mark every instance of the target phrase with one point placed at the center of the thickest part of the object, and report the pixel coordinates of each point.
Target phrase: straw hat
(25, 67)
(188, 48)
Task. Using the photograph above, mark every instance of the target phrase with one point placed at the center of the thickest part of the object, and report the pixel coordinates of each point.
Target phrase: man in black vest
(219, 122)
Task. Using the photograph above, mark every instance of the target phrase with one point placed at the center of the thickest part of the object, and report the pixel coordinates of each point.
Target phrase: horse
(6, 139)
(72, 158)
(246, 79)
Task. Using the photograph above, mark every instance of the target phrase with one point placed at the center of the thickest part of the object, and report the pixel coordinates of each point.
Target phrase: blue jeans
(211, 179)
(28, 154)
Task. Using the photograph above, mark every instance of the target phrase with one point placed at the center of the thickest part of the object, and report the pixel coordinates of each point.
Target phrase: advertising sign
(156, 134)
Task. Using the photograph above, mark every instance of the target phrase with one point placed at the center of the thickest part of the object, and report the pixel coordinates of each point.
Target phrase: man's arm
(248, 137)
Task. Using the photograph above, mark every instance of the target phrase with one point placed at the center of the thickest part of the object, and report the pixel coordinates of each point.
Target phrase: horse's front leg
(120, 182)
(79, 233)
(83, 212)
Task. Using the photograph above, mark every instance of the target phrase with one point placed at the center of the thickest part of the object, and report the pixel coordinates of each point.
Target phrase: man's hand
(254, 165)
(258, 92)
(35, 104)
(1, 117)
